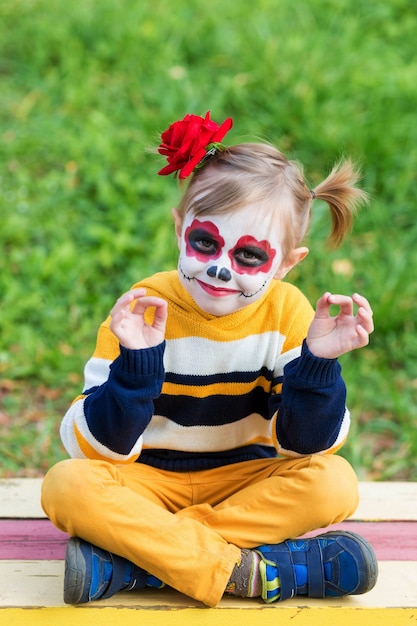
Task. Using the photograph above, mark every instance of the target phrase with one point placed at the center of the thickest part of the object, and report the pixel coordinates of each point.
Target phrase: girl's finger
(344, 302)
(127, 298)
(161, 313)
(366, 319)
(323, 305)
(362, 302)
(145, 302)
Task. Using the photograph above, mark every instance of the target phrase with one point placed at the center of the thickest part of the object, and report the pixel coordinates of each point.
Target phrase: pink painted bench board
(40, 540)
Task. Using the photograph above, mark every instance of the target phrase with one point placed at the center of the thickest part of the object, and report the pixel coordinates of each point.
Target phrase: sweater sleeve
(107, 421)
(310, 413)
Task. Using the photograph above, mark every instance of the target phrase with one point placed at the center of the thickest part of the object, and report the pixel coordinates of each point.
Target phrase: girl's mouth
(218, 292)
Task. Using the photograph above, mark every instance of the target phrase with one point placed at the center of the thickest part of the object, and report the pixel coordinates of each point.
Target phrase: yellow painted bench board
(264, 616)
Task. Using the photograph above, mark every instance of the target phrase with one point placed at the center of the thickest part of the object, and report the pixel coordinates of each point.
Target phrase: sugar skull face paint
(251, 256)
(227, 261)
(202, 240)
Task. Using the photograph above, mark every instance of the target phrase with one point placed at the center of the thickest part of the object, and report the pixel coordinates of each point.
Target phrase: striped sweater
(218, 390)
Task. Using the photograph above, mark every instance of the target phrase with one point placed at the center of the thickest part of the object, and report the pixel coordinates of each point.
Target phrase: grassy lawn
(86, 88)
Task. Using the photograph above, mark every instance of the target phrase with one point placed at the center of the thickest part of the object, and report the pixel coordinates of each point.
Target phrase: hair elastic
(313, 194)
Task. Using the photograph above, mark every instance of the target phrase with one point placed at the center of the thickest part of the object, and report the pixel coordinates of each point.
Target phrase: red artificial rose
(184, 143)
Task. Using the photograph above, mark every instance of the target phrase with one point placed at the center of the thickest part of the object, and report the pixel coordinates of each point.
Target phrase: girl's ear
(290, 261)
(178, 225)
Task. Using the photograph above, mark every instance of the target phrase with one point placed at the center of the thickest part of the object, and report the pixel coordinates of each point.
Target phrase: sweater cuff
(143, 362)
(314, 370)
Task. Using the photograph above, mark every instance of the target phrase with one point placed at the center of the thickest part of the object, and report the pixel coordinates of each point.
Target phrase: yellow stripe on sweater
(205, 391)
(91, 453)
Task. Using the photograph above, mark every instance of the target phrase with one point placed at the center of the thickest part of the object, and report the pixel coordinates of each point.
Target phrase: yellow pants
(187, 528)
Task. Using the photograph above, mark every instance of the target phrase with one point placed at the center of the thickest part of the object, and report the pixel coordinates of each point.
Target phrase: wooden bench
(31, 574)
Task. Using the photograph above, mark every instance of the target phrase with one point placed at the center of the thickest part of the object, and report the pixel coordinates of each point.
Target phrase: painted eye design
(250, 257)
(200, 242)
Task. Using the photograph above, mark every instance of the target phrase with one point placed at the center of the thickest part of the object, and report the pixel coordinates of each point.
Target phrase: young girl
(203, 442)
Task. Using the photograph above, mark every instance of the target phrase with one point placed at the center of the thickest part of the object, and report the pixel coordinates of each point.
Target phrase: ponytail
(343, 198)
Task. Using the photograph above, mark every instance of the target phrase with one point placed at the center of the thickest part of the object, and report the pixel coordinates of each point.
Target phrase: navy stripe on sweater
(173, 460)
(228, 377)
(213, 410)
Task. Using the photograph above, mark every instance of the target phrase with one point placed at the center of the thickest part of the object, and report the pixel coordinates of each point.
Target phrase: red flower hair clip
(187, 142)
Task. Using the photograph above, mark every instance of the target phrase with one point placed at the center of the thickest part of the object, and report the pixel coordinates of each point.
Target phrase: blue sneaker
(335, 564)
(92, 573)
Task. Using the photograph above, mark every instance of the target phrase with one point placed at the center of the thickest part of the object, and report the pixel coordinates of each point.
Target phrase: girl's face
(227, 261)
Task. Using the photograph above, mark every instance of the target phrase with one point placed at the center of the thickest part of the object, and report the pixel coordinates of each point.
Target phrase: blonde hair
(258, 174)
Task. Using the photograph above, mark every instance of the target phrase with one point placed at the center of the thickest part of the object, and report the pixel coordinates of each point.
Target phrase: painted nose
(222, 274)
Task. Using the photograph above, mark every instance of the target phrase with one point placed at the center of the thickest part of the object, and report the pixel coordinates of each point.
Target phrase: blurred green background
(86, 88)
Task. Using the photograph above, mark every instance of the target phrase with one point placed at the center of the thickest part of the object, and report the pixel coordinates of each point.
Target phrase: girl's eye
(199, 241)
(205, 244)
(253, 257)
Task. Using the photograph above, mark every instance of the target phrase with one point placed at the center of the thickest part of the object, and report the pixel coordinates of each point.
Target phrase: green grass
(86, 87)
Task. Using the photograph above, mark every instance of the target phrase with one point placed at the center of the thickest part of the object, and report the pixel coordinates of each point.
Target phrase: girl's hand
(329, 337)
(128, 323)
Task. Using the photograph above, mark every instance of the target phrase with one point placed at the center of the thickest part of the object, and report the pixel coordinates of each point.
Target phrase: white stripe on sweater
(163, 433)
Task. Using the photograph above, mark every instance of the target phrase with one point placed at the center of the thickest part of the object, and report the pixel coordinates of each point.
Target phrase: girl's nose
(222, 273)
